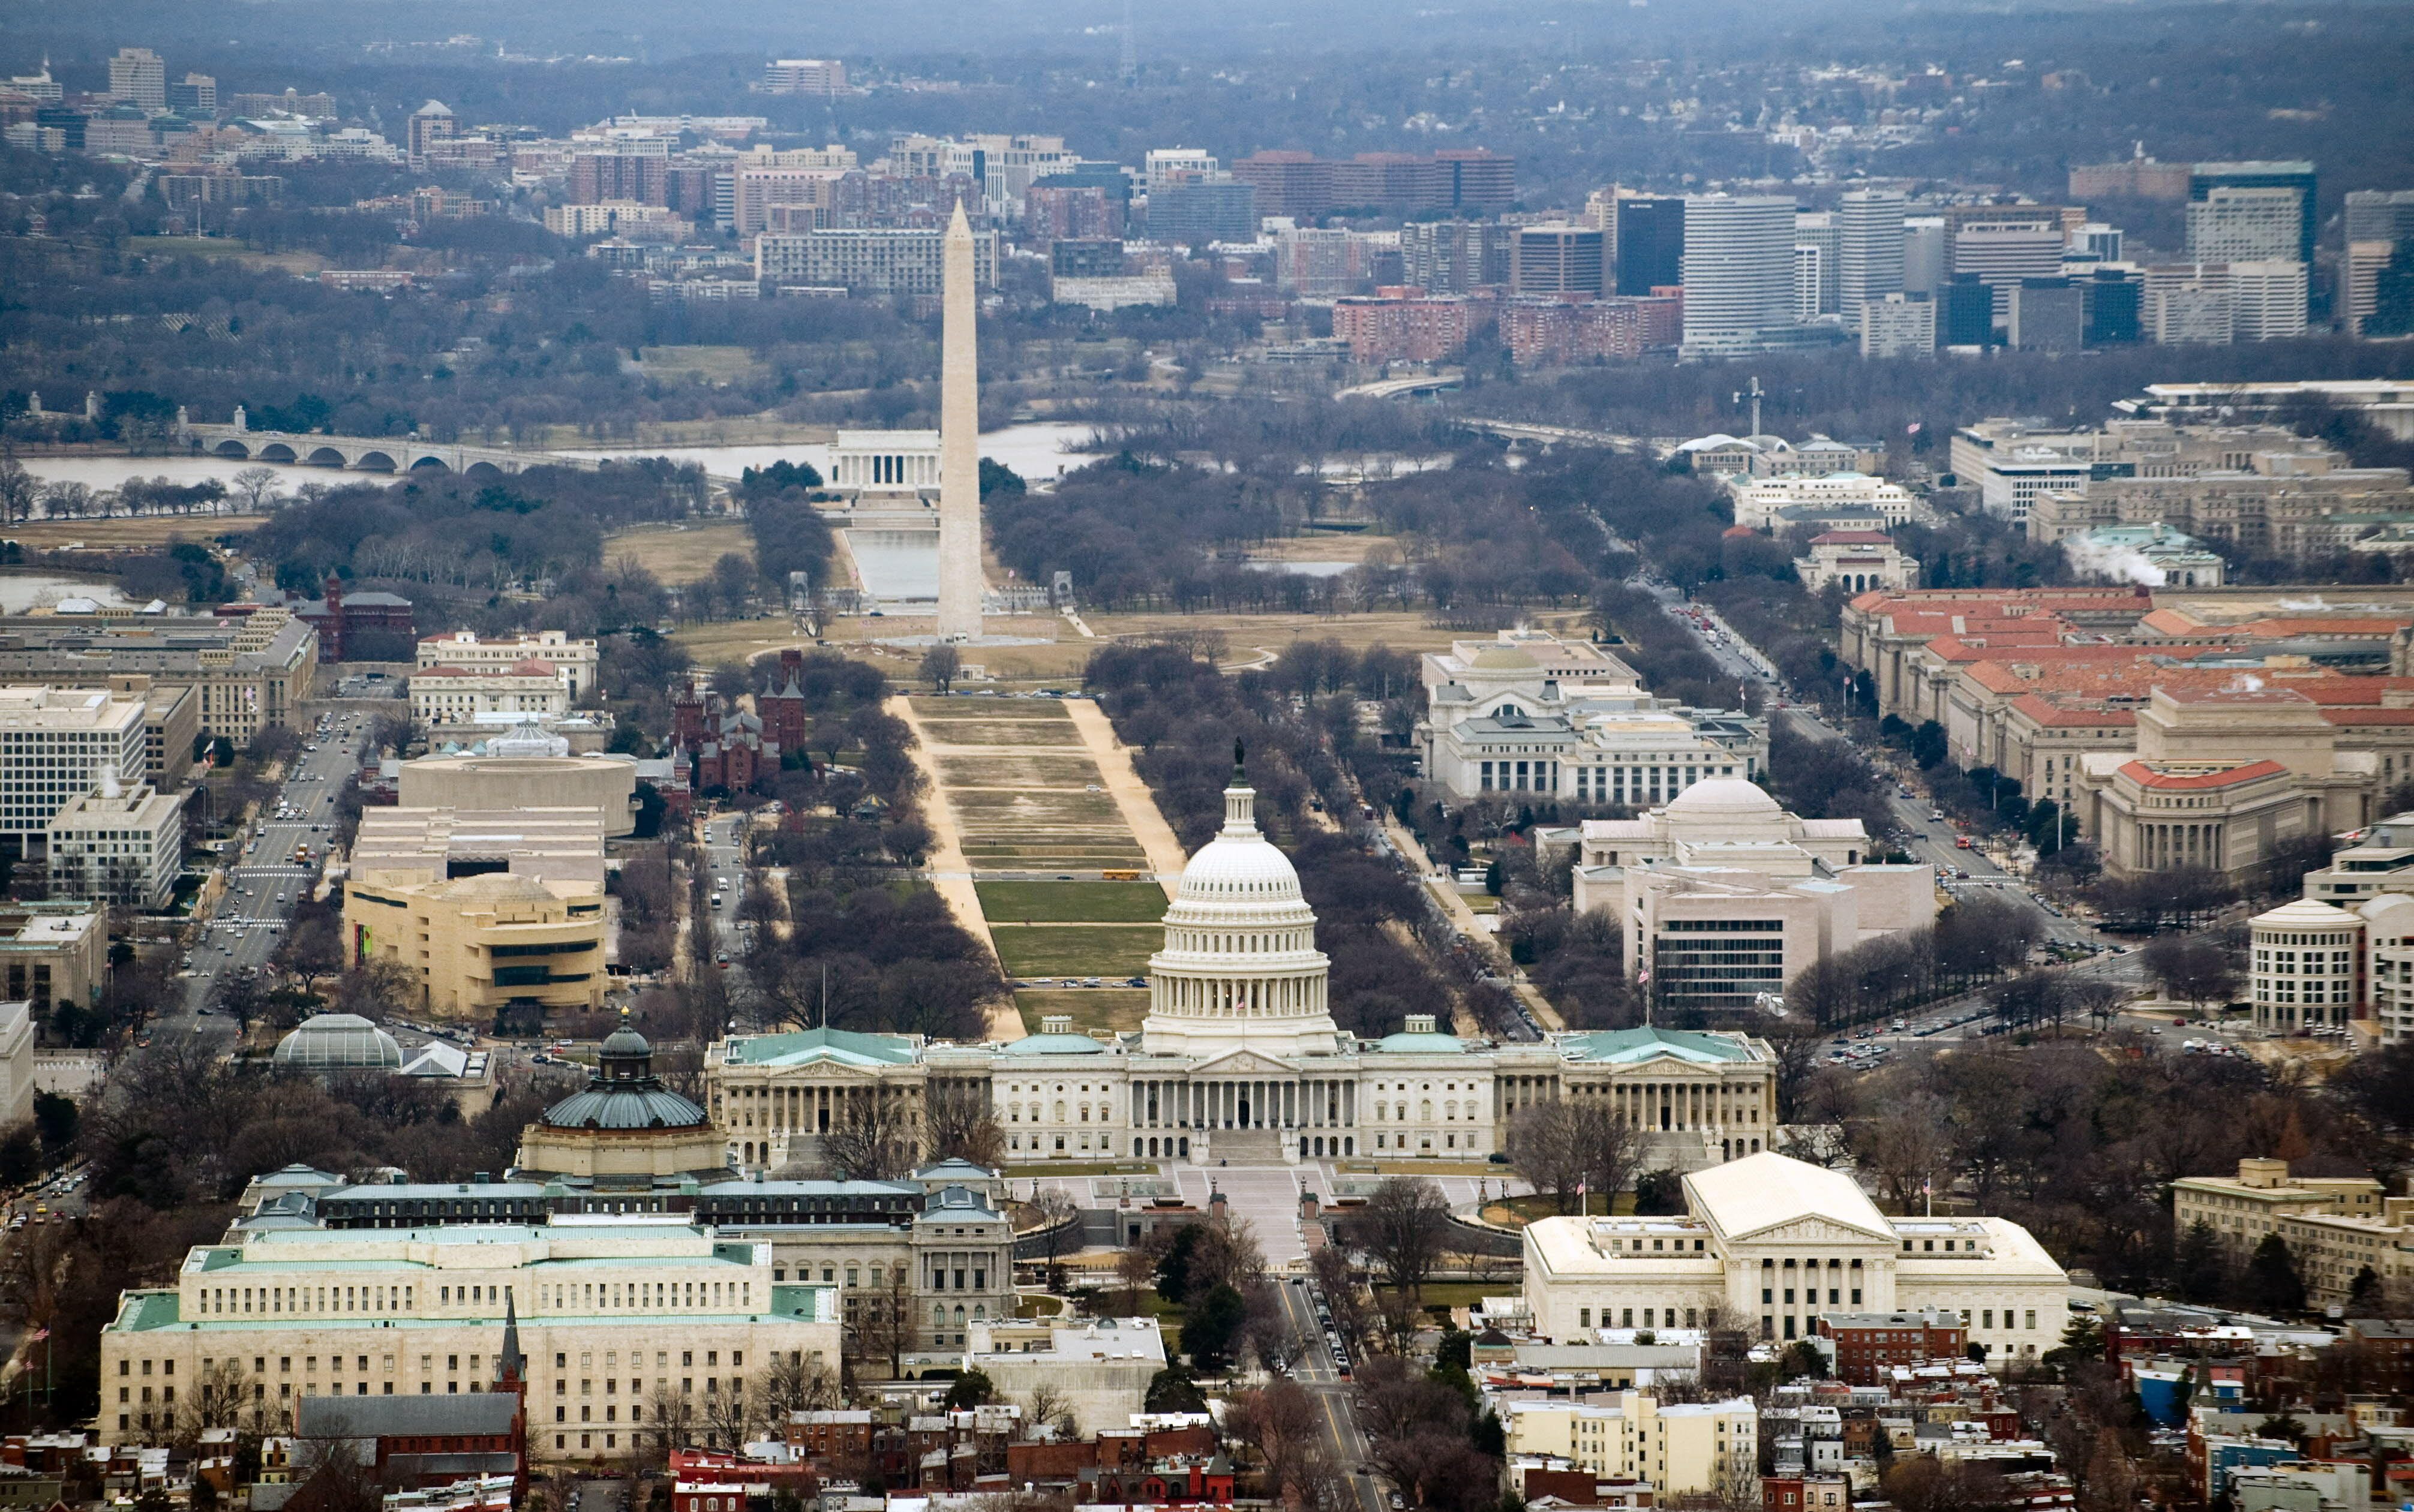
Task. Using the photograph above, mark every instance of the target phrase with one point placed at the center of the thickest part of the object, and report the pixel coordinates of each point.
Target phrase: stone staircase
(1245, 1146)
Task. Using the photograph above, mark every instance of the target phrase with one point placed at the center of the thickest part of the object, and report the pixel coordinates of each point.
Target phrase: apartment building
(2246, 1207)
(869, 261)
(1690, 1448)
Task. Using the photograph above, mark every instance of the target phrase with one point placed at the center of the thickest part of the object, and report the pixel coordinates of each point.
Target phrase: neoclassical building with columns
(1239, 1060)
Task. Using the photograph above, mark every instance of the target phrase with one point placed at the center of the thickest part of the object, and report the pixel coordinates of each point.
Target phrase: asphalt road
(264, 880)
(1331, 1393)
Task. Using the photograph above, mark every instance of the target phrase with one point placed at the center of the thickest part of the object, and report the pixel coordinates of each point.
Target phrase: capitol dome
(1724, 797)
(338, 1042)
(1240, 965)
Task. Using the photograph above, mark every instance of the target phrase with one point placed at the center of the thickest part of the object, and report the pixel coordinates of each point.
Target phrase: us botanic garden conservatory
(1239, 1060)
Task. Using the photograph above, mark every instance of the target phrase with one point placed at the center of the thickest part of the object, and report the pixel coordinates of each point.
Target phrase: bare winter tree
(1050, 1406)
(1051, 1213)
(1403, 1229)
(884, 1326)
(877, 1141)
(963, 1127)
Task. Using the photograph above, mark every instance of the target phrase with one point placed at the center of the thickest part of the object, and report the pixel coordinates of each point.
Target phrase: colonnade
(1245, 997)
(1244, 1102)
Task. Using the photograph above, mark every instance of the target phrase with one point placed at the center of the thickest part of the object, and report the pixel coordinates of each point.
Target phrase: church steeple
(510, 1366)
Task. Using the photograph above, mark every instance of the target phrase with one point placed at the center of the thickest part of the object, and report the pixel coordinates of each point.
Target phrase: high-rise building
(1965, 313)
(2096, 241)
(2380, 287)
(1808, 261)
(57, 745)
(1168, 165)
(2267, 299)
(2046, 315)
(1301, 184)
(1869, 248)
(1451, 257)
(2112, 297)
(432, 122)
(2380, 216)
(2188, 303)
(2232, 224)
(138, 75)
(868, 261)
(1821, 231)
(1193, 214)
(2002, 252)
(196, 94)
(1738, 270)
(804, 76)
(1558, 259)
(1650, 242)
(2206, 177)
(1924, 261)
(1899, 325)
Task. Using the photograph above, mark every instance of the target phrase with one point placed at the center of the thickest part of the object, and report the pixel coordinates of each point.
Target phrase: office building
(1965, 314)
(2267, 300)
(616, 1320)
(1303, 187)
(1899, 325)
(2135, 178)
(2188, 303)
(2230, 224)
(1100, 1368)
(2379, 215)
(1766, 503)
(1557, 260)
(2096, 242)
(1650, 242)
(2207, 177)
(1098, 258)
(2001, 250)
(573, 658)
(455, 696)
(1162, 166)
(1724, 895)
(1738, 270)
(57, 745)
(1771, 1243)
(2045, 315)
(2248, 1208)
(868, 261)
(2380, 287)
(1808, 261)
(1925, 255)
(195, 94)
(1455, 257)
(138, 76)
(53, 952)
(121, 847)
(1870, 245)
(1823, 231)
(804, 76)
(1199, 214)
(2114, 304)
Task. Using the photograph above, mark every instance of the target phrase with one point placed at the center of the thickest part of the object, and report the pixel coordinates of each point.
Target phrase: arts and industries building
(1771, 1243)
(1527, 712)
(1239, 1060)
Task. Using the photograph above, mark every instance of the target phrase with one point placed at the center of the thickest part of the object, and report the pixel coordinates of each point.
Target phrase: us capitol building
(1239, 1061)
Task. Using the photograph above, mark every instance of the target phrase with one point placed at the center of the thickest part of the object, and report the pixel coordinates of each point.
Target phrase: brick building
(1869, 1344)
(1405, 325)
(361, 626)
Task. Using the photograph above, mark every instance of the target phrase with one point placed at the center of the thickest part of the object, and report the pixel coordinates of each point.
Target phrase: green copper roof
(809, 1046)
(148, 1309)
(1632, 1046)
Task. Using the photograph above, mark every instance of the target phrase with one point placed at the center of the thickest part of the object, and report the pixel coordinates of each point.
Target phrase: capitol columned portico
(1239, 1060)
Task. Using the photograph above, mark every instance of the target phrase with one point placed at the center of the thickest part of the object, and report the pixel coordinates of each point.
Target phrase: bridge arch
(231, 449)
(431, 464)
(482, 468)
(374, 462)
(277, 452)
(327, 456)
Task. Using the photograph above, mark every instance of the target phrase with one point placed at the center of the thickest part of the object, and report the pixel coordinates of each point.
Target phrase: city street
(1331, 1393)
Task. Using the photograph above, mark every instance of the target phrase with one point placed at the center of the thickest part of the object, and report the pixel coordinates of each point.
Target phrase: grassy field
(738, 640)
(682, 553)
(985, 807)
(222, 250)
(1097, 1012)
(149, 530)
(1002, 732)
(1072, 770)
(1106, 951)
(717, 365)
(1459, 1293)
(991, 710)
(1074, 902)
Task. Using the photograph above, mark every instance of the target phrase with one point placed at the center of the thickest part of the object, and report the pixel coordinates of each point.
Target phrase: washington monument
(960, 506)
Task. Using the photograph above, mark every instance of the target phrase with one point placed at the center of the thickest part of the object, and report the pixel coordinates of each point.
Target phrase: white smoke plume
(2114, 564)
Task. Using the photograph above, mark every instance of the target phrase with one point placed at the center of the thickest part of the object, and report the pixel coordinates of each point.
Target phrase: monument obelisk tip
(960, 521)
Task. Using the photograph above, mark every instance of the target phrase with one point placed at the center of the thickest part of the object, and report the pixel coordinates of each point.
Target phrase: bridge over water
(370, 454)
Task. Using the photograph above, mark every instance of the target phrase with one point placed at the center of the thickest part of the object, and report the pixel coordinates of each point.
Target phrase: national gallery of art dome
(1239, 1060)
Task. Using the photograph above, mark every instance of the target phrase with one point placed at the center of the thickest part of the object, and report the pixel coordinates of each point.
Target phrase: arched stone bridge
(370, 454)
